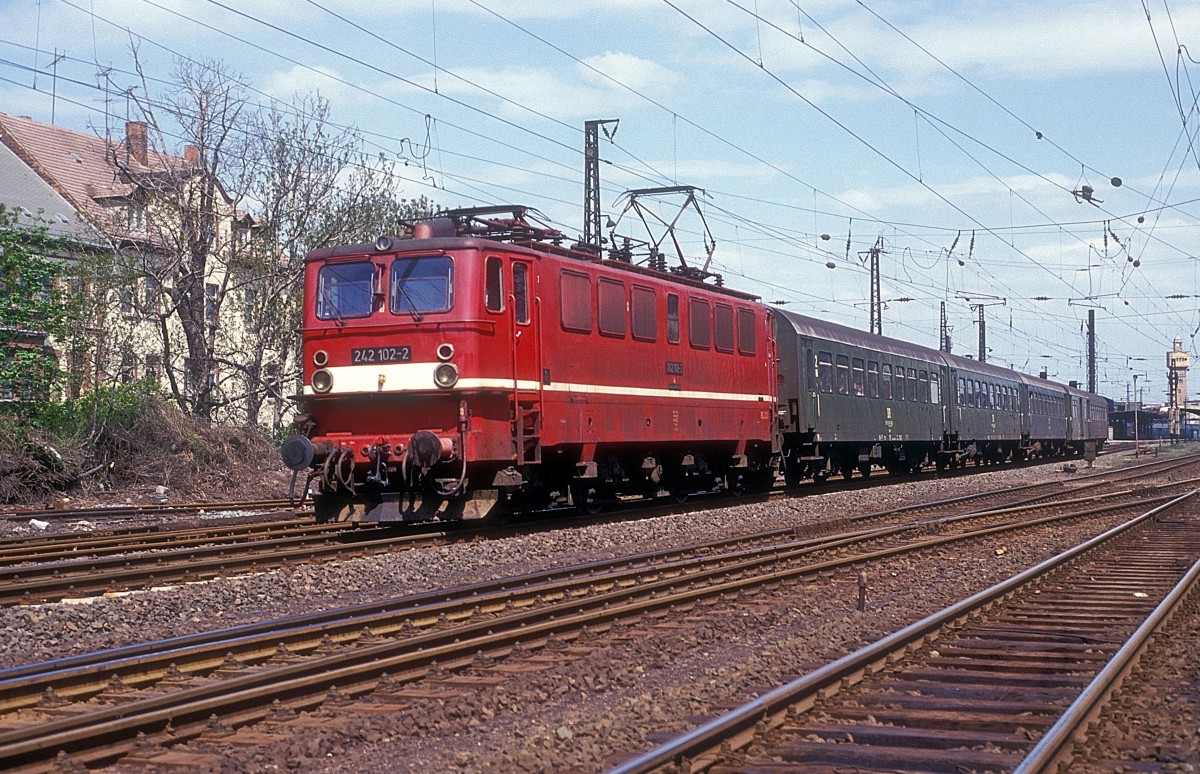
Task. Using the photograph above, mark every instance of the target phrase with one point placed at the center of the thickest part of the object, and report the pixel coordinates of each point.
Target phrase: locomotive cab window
(493, 292)
(421, 285)
(346, 290)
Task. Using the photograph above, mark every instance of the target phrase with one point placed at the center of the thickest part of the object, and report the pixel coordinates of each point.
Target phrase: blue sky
(913, 121)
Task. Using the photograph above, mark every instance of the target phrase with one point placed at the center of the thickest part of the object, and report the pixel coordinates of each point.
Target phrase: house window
(210, 303)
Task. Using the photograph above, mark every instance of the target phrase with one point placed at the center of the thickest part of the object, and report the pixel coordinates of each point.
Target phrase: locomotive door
(528, 377)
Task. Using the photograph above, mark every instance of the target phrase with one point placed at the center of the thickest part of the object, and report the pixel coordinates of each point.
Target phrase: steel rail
(693, 750)
(247, 697)
(1055, 747)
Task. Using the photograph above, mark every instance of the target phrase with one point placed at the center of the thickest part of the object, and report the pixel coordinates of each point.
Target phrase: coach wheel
(864, 469)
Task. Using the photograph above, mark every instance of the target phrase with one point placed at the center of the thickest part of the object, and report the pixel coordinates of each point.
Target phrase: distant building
(104, 196)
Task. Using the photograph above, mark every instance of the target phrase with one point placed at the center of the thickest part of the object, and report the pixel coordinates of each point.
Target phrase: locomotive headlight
(322, 381)
(445, 352)
(445, 375)
(320, 358)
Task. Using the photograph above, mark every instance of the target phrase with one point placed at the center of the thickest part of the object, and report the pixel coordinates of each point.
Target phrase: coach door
(528, 378)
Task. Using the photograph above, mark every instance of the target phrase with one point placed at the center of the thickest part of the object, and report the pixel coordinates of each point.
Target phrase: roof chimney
(191, 155)
(136, 140)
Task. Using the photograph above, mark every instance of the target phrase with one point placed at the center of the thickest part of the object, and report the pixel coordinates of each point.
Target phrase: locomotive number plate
(380, 355)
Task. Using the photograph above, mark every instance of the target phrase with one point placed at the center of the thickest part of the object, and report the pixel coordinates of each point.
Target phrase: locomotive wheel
(587, 498)
(679, 496)
(736, 484)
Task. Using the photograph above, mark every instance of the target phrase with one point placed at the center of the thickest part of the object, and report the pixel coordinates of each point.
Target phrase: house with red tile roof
(123, 199)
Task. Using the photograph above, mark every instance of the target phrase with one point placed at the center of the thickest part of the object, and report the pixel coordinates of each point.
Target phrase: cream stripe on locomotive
(404, 377)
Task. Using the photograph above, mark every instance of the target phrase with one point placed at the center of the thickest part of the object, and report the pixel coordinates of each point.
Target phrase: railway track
(1005, 680)
(62, 566)
(95, 707)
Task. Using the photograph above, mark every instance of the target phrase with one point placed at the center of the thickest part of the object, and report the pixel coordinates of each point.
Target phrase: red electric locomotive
(474, 363)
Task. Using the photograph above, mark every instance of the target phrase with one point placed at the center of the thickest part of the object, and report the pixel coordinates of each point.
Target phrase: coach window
(520, 273)
(872, 379)
(843, 375)
(923, 387)
(493, 292)
(672, 318)
(699, 323)
(825, 371)
(911, 388)
(723, 328)
(885, 381)
(575, 290)
(935, 388)
(612, 307)
(746, 329)
(642, 306)
(858, 377)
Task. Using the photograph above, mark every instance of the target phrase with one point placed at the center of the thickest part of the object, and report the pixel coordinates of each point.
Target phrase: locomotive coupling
(426, 450)
(298, 452)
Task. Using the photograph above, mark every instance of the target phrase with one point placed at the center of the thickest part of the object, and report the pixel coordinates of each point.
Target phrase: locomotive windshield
(345, 290)
(421, 285)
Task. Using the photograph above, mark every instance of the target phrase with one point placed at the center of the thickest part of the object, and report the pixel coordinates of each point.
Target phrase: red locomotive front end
(472, 363)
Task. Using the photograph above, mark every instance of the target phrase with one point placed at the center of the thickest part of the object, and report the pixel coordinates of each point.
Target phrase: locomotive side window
(723, 327)
(745, 330)
(421, 285)
(872, 379)
(493, 291)
(885, 381)
(672, 318)
(612, 307)
(520, 272)
(346, 290)
(575, 290)
(825, 371)
(858, 377)
(699, 323)
(645, 320)
(843, 375)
